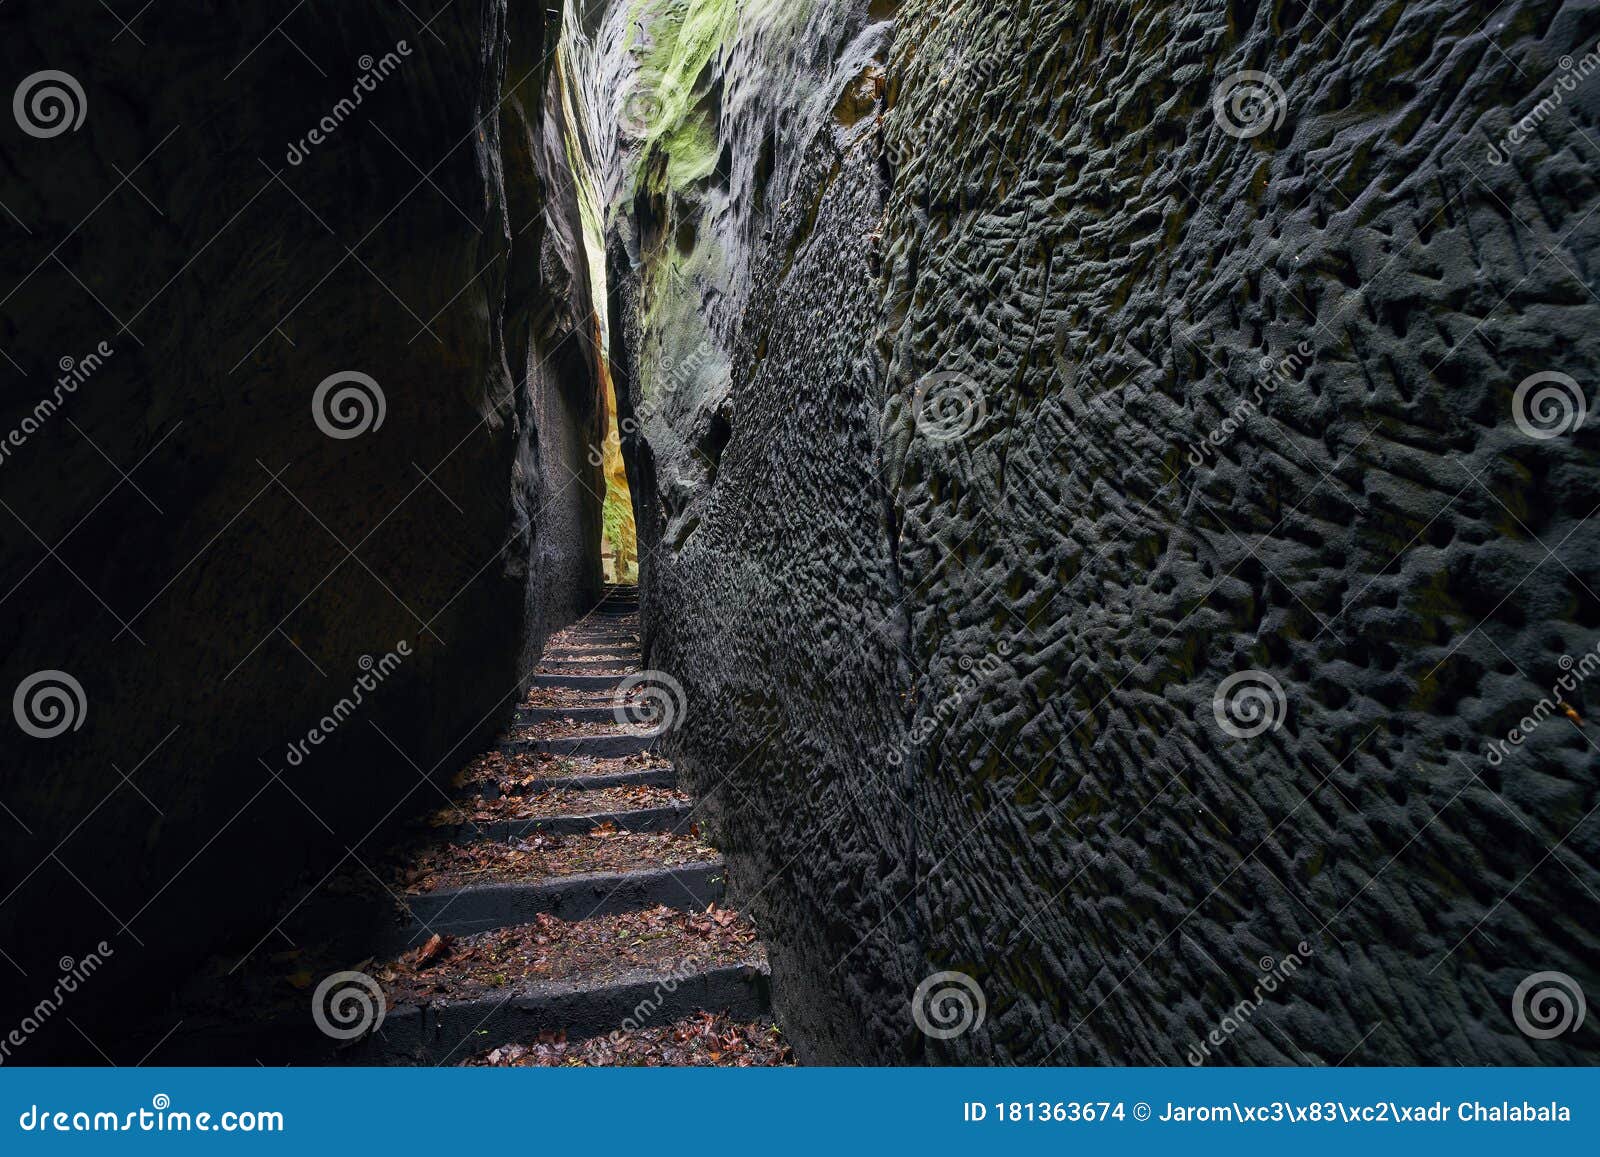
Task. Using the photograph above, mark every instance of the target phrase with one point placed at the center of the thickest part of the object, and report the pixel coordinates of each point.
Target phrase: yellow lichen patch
(620, 545)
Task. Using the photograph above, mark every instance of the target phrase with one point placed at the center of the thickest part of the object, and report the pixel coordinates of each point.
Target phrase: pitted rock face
(1112, 557)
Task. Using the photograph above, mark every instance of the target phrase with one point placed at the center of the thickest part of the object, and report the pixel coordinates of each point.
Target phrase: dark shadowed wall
(220, 533)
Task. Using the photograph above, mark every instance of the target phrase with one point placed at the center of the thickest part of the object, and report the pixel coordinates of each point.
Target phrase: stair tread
(561, 802)
(702, 1039)
(566, 811)
(670, 818)
(452, 867)
(498, 772)
(591, 953)
(609, 746)
(580, 682)
(531, 717)
(509, 903)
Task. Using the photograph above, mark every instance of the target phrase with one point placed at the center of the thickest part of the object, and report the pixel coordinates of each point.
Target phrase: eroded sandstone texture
(1247, 405)
(184, 541)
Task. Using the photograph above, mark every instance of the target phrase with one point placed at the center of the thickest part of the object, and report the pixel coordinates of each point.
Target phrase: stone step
(537, 716)
(579, 682)
(617, 667)
(593, 746)
(664, 776)
(601, 641)
(485, 907)
(676, 818)
(447, 1032)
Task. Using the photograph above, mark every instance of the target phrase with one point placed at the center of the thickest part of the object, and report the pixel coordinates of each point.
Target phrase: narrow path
(564, 909)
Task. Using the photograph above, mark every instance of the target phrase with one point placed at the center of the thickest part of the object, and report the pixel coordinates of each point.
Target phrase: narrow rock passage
(568, 911)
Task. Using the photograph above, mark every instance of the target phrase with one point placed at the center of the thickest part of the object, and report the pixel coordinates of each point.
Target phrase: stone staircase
(560, 909)
(567, 896)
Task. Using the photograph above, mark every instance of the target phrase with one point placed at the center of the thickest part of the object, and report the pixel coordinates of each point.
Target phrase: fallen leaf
(436, 947)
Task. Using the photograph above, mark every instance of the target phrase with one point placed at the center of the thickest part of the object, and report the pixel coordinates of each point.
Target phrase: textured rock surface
(1248, 405)
(182, 539)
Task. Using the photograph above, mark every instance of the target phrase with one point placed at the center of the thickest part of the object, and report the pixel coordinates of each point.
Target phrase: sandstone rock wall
(182, 538)
(1028, 393)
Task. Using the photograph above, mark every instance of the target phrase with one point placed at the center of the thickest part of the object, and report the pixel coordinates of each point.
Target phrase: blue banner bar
(913, 1111)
